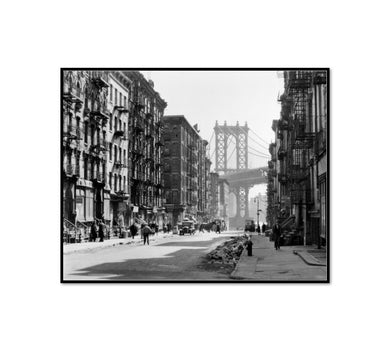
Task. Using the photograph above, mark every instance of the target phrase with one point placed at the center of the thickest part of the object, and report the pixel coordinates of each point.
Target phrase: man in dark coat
(146, 231)
(277, 231)
(94, 231)
(133, 230)
(101, 231)
(263, 228)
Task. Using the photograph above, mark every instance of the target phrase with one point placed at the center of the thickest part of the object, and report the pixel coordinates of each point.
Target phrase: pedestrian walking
(258, 229)
(101, 231)
(218, 229)
(169, 227)
(146, 231)
(94, 232)
(133, 230)
(263, 228)
(277, 231)
(249, 245)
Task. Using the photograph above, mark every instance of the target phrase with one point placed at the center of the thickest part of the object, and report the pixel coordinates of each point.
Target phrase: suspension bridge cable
(257, 151)
(257, 143)
(264, 147)
(260, 137)
(251, 153)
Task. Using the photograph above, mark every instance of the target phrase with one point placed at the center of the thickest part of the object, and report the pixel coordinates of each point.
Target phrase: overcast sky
(205, 97)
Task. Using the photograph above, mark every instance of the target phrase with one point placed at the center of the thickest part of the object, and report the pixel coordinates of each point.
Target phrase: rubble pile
(229, 252)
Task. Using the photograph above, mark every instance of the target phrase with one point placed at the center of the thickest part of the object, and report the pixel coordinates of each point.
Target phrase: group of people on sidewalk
(97, 230)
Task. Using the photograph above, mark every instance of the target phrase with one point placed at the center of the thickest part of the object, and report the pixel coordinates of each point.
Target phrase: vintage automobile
(250, 225)
(186, 227)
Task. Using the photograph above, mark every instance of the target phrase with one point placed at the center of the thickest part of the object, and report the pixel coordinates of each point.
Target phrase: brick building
(185, 170)
(298, 180)
(111, 149)
(84, 124)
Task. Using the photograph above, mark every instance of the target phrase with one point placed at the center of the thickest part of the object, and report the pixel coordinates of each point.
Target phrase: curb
(120, 243)
(308, 259)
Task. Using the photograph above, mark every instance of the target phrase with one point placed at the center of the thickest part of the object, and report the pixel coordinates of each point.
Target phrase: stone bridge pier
(241, 194)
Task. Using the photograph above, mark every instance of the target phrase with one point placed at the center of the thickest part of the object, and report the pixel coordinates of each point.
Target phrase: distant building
(223, 186)
(214, 196)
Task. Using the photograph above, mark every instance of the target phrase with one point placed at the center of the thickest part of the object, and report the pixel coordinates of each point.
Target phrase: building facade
(185, 170)
(118, 148)
(214, 196)
(112, 168)
(85, 116)
(297, 188)
(224, 191)
(145, 149)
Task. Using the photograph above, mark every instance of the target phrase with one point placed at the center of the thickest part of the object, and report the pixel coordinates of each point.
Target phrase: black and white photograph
(206, 175)
(195, 175)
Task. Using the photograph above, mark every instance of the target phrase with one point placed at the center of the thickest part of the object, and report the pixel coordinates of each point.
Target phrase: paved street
(173, 258)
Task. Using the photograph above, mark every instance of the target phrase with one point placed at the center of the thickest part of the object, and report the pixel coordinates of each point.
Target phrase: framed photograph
(195, 175)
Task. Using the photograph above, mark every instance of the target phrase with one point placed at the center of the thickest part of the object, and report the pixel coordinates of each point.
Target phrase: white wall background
(38, 37)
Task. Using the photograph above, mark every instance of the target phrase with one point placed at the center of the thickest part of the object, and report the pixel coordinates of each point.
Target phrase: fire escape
(301, 137)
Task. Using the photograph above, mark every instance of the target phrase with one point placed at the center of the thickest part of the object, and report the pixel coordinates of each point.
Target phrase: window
(116, 124)
(120, 183)
(120, 154)
(111, 92)
(110, 121)
(110, 180)
(116, 97)
(124, 127)
(92, 173)
(115, 182)
(86, 132)
(120, 99)
(92, 134)
(124, 184)
(115, 153)
(124, 157)
(110, 151)
(85, 168)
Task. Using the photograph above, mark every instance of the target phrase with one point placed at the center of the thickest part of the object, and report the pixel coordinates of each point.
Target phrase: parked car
(187, 227)
(250, 225)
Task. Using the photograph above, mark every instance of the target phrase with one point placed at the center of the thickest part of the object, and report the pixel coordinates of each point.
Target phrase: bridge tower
(222, 135)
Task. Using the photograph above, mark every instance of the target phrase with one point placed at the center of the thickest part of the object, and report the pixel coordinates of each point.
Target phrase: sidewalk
(289, 263)
(90, 246)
